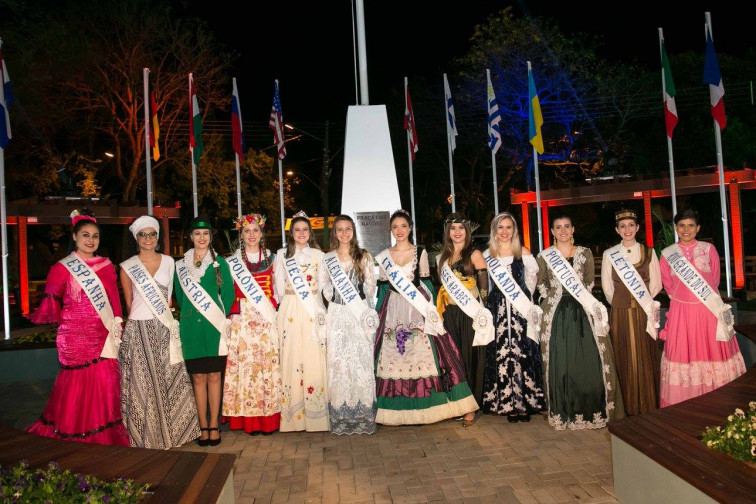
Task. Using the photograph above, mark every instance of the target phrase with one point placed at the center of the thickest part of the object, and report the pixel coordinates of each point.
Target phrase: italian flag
(195, 125)
(670, 109)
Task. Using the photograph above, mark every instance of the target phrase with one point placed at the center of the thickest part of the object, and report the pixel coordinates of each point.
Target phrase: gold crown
(625, 214)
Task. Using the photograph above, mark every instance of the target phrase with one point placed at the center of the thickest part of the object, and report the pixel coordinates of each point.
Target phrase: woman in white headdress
(157, 402)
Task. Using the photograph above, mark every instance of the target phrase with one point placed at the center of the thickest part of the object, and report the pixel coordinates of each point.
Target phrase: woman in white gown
(299, 275)
(351, 382)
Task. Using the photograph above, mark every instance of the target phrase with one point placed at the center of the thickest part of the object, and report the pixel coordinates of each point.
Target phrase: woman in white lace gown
(351, 382)
(304, 406)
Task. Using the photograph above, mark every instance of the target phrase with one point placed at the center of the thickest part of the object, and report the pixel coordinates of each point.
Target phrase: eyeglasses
(142, 234)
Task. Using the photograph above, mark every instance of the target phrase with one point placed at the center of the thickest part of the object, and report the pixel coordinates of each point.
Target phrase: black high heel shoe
(204, 442)
(524, 417)
(513, 418)
(214, 442)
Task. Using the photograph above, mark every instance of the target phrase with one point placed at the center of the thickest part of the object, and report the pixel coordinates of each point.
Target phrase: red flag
(409, 122)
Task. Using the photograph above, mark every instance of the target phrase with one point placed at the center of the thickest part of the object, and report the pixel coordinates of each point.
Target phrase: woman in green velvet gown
(579, 372)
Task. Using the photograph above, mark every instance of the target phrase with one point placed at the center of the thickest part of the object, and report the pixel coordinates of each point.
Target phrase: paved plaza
(492, 461)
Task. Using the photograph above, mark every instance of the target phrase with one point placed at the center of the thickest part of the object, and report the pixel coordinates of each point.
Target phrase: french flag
(236, 124)
(6, 99)
(713, 78)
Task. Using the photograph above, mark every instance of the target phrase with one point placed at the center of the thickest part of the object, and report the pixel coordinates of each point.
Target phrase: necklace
(198, 262)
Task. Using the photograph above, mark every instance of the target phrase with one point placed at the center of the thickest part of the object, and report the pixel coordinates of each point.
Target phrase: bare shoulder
(477, 259)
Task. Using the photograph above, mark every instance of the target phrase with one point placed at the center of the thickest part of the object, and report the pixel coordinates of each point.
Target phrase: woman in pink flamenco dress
(84, 405)
(694, 361)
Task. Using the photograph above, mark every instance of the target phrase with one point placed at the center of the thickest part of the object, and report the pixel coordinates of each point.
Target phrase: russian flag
(713, 78)
(236, 124)
(6, 99)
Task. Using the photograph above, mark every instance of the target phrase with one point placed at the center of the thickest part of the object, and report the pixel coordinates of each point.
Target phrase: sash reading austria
(204, 304)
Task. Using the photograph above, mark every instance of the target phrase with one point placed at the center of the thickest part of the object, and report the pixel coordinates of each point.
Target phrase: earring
(572, 240)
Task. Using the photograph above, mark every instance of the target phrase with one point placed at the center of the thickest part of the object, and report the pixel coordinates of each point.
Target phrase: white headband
(145, 221)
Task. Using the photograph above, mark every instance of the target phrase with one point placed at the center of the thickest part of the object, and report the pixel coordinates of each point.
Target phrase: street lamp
(325, 175)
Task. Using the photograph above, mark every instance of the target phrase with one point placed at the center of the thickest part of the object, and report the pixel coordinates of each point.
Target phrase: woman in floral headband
(252, 385)
(85, 402)
(299, 278)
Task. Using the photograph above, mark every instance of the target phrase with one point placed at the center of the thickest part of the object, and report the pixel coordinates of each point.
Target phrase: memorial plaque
(373, 231)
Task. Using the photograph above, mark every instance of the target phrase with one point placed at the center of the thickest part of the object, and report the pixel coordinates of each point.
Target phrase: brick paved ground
(492, 461)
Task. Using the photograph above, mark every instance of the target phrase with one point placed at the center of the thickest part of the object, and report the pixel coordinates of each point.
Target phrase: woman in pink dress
(694, 361)
(84, 404)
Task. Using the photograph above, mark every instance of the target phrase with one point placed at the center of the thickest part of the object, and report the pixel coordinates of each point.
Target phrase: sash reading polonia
(250, 288)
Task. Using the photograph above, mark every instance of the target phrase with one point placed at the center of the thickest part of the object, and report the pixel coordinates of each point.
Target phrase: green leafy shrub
(23, 485)
(737, 438)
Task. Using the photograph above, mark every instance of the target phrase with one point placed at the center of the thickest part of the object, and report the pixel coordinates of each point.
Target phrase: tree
(89, 81)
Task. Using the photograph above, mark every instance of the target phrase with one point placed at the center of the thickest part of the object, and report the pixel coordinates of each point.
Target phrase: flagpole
(493, 151)
(191, 152)
(722, 196)
(412, 181)
(539, 219)
(3, 204)
(238, 171)
(281, 194)
(449, 149)
(671, 158)
(3, 216)
(147, 154)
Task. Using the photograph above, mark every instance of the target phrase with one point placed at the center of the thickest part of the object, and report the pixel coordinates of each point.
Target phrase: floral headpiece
(301, 213)
(76, 217)
(253, 218)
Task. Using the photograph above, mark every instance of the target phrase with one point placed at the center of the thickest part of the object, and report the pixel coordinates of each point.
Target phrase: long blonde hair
(493, 248)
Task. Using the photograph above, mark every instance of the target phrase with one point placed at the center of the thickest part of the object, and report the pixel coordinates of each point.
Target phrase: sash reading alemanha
(366, 316)
(95, 291)
(407, 289)
(153, 296)
(204, 304)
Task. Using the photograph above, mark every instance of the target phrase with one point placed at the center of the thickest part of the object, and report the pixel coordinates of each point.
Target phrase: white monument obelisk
(370, 183)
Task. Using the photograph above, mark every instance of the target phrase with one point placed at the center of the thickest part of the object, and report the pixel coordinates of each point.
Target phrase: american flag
(409, 122)
(276, 124)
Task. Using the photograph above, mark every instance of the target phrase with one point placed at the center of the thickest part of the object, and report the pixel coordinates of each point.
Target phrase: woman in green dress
(581, 381)
(204, 291)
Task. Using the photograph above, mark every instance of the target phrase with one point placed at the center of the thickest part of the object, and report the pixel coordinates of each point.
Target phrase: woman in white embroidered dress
(304, 406)
(420, 378)
(693, 361)
(582, 390)
(351, 382)
(157, 401)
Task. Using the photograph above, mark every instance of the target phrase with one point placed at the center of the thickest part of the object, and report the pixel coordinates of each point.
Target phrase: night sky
(308, 46)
